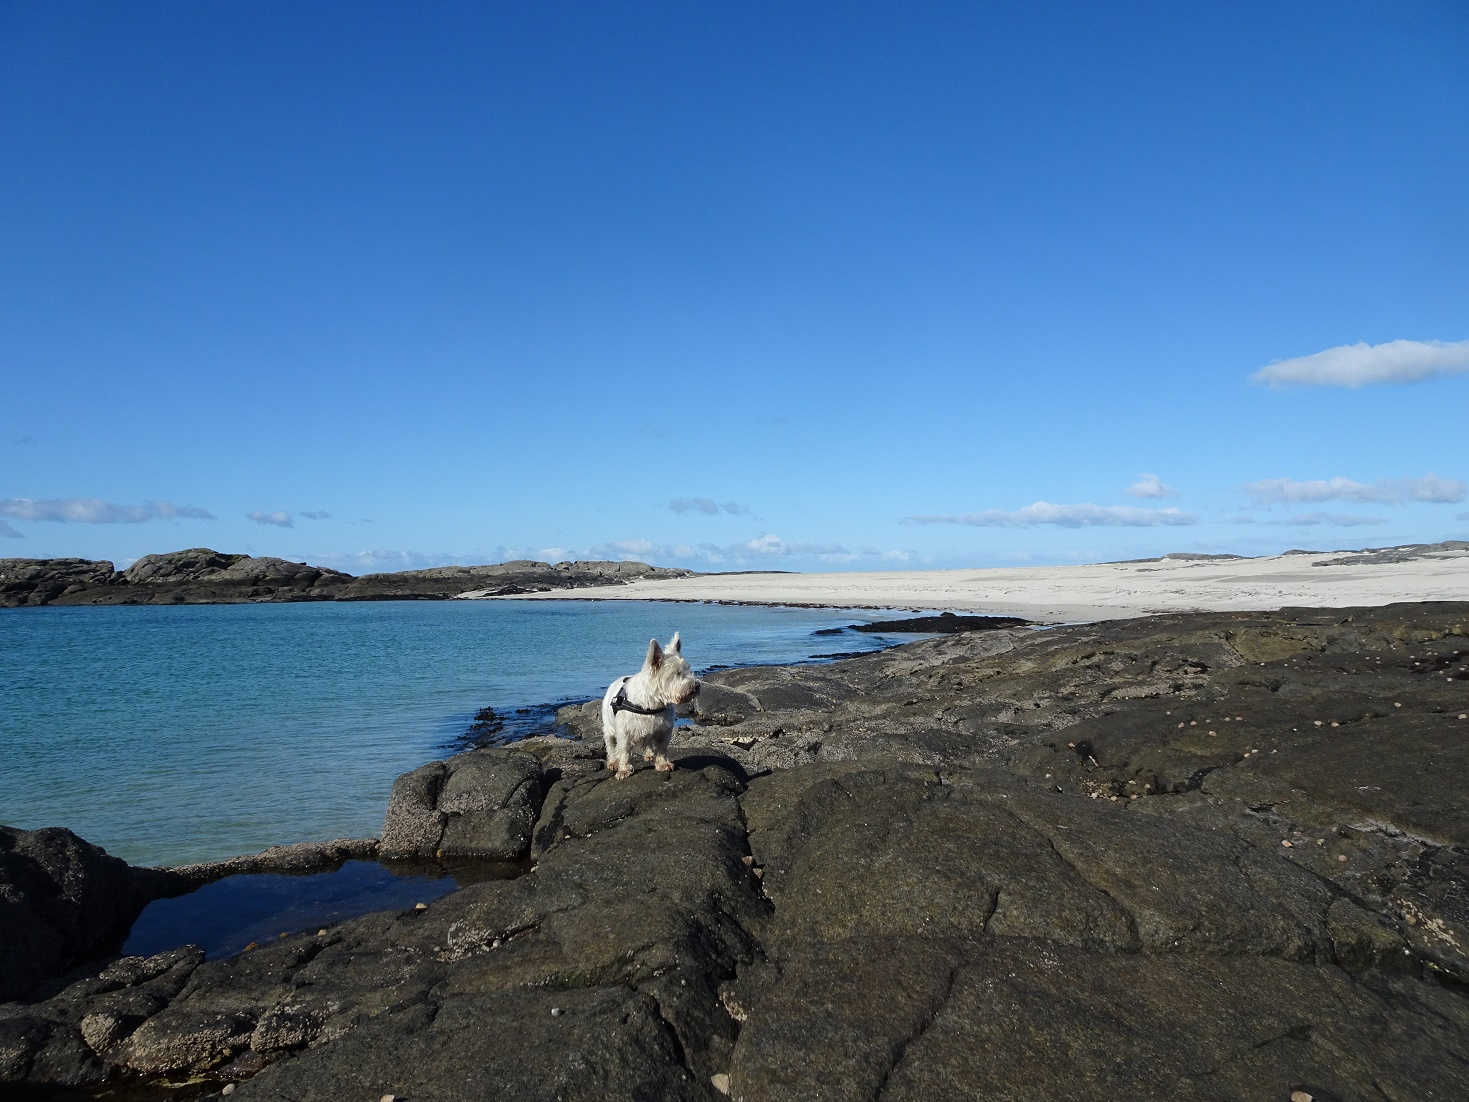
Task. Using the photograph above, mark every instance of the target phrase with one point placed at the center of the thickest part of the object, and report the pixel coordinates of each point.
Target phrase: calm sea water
(169, 734)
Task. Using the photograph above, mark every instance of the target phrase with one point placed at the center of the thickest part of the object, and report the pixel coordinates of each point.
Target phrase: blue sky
(796, 286)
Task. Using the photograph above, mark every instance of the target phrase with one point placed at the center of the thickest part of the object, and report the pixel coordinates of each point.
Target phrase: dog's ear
(675, 645)
(655, 655)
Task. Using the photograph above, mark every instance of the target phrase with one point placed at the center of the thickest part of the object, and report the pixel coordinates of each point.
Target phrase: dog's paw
(647, 755)
(624, 773)
(611, 765)
(664, 766)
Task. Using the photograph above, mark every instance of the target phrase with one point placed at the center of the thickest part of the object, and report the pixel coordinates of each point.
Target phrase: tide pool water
(170, 734)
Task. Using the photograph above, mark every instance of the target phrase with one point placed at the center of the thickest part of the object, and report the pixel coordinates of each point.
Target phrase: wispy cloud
(316, 514)
(279, 519)
(1431, 488)
(1150, 485)
(765, 550)
(91, 510)
(9, 533)
(1330, 520)
(707, 505)
(384, 561)
(1354, 365)
(1065, 516)
(768, 543)
(1312, 520)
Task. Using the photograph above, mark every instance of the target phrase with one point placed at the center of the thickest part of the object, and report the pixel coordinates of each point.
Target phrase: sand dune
(1068, 594)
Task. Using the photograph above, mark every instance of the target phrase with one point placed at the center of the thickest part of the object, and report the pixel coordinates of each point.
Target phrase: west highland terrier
(637, 711)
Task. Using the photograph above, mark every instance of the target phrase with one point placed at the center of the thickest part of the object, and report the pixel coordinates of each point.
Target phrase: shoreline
(1081, 594)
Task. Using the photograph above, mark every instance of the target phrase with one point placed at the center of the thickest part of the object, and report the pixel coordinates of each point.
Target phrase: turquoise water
(169, 734)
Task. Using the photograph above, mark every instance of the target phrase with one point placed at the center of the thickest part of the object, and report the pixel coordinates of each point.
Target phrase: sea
(174, 734)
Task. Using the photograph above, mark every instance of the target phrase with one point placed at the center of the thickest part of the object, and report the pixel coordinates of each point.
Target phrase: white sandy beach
(1072, 594)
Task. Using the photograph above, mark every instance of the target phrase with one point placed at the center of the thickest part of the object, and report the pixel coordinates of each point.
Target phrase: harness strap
(620, 703)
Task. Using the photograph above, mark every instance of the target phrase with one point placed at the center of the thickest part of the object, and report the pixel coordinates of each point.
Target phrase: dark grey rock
(479, 804)
(62, 902)
(201, 575)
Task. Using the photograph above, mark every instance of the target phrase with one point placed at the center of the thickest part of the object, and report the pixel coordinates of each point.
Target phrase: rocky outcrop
(201, 575)
(44, 581)
(1189, 857)
(482, 804)
(945, 623)
(500, 579)
(62, 901)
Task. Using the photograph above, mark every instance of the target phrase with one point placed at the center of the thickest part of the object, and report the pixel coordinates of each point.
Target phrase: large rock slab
(481, 804)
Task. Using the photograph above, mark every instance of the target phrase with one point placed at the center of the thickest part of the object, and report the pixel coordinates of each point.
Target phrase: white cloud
(9, 533)
(707, 505)
(316, 514)
(773, 545)
(1065, 516)
(279, 519)
(1354, 365)
(91, 510)
(1330, 520)
(1150, 485)
(1275, 491)
(379, 561)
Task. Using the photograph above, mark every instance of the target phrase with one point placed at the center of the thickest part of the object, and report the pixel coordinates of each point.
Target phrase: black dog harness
(620, 703)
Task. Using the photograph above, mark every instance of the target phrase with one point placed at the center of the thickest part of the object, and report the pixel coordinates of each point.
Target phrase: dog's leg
(619, 759)
(659, 752)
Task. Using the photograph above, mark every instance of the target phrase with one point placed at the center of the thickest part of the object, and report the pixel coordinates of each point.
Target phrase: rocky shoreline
(201, 575)
(1193, 856)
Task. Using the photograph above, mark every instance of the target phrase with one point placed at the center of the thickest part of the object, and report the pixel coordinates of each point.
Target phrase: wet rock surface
(944, 623)
(201, 575)
(1215, 856)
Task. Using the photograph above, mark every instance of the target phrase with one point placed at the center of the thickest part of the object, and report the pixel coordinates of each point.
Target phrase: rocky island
(200, 575)
(1189, 856)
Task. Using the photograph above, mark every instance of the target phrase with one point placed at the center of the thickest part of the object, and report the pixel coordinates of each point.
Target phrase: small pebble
(1286, 842)
(321, 932)
(1301, 1096)
(1213, 733)
(1397, 703)
(228, 1088)
(1334, 723)
(1321, 841)
(420, 906)
(720, 1082)
(1341, 856)
(1464, 715)
(1317, 722)
(388, 1098)
(555, 1012)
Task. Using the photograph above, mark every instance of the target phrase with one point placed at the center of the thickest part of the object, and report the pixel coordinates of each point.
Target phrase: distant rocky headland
(202, 576)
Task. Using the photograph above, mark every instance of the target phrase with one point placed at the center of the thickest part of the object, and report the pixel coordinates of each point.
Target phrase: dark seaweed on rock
(945, 623)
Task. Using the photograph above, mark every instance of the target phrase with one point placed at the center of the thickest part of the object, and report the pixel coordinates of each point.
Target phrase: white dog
(637, 711)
